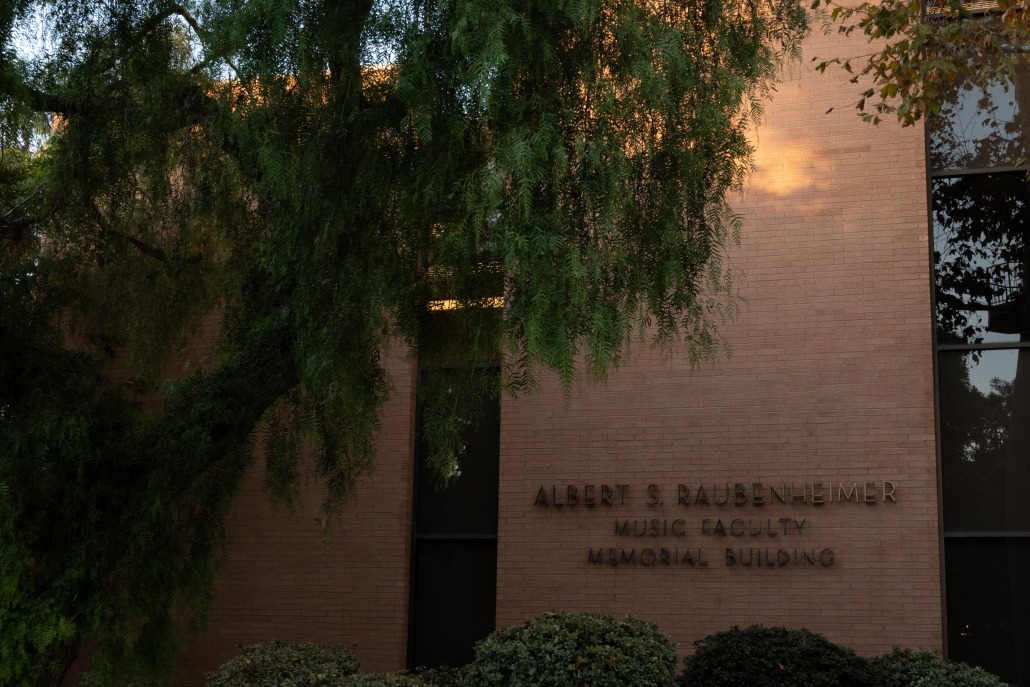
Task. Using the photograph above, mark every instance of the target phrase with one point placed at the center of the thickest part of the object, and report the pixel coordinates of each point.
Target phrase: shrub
(378, 680)
(575, 649)
(274, 664)
(445, 676)
(423, 677)
(773, 657)
(907, 668)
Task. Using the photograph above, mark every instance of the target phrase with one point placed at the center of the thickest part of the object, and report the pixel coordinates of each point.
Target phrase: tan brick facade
(280, 581)
(830, 381)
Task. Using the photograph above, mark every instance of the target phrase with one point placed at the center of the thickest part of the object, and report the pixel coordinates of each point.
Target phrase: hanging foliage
(530, 181)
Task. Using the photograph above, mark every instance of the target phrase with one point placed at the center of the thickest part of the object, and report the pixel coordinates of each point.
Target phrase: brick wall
(830, 379)
(279, 581)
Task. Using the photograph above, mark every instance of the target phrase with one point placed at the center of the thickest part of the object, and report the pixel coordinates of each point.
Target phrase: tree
(923, 49)
(318, 176)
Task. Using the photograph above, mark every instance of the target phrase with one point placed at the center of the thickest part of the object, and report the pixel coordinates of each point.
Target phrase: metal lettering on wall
(704, 536)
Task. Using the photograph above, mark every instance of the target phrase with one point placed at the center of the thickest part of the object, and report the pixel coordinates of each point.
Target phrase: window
(454, 579)
(979, 146)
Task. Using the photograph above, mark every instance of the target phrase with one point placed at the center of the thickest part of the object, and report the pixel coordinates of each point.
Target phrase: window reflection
(985, 440)
(981, 257)
(981, 217)
(981, 128)
(467, 504)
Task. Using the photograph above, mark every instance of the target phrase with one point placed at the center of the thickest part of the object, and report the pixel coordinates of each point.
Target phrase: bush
(907, 668)
(575, 649)
(422, 677)
(773, 657)
(274, 664)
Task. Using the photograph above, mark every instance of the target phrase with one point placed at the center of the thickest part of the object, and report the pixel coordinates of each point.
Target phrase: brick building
(812, 478)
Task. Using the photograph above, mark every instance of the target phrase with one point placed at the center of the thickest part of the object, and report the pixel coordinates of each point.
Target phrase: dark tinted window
(454, 596)
(455, 548)
(979, 156)
(989, 605)
(468, 502)
(985, 439)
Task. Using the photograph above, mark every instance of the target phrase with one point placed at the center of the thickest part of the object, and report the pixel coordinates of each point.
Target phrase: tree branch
(143, 247)
(108, 228)
(41, 101)
(37, 100)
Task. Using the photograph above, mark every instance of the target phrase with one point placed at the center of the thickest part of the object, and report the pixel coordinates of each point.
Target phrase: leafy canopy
(923, 49)
(316, 178)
